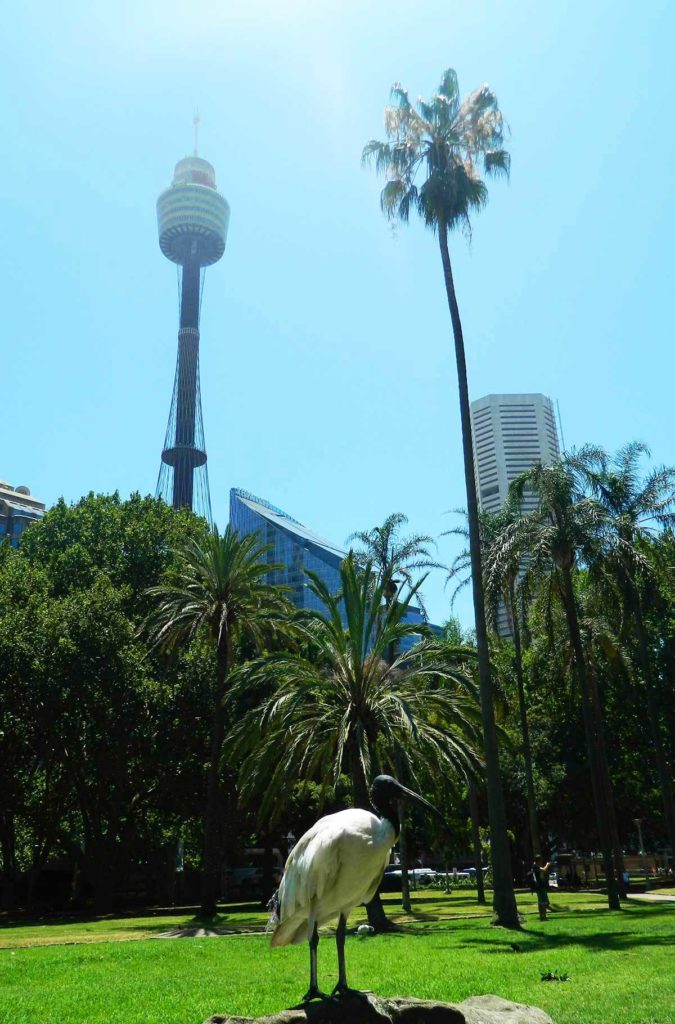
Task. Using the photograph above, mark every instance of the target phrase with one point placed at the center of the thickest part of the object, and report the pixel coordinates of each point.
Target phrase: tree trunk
(268, 884)
(402, 840)
(665, 783)
(598, 769)
(524, 728)
(377, 918)
(103, 880)
(504, 900)
(617, 852)
(9, 868)
(475, 838)
(211, 867)
(403, 850)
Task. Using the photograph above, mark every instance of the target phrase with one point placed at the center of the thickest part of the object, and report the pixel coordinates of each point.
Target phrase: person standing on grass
(539, 875)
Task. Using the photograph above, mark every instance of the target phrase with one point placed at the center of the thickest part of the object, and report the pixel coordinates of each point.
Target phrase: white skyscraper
(511, 433)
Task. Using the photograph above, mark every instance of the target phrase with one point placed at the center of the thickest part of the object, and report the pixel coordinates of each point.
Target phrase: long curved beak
(410, 794)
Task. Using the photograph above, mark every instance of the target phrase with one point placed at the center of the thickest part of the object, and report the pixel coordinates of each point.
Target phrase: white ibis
(335, 866)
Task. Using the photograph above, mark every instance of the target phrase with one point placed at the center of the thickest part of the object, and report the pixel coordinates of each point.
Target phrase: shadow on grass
(533, 942)
(189, 914)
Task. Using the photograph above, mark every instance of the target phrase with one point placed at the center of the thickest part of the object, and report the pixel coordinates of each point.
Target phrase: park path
(651, 897)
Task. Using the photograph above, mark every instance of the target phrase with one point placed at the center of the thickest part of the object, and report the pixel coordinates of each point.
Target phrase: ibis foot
(343, 991)
(313, 993)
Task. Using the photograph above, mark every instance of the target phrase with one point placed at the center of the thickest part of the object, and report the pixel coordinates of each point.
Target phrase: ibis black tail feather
(273, 906)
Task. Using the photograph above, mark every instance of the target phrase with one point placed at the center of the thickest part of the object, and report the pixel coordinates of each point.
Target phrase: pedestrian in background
(539, 876)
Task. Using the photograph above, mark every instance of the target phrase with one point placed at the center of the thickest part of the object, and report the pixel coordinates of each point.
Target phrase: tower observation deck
(192, 218)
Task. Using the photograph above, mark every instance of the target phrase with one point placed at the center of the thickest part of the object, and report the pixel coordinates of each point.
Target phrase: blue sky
(328, 378)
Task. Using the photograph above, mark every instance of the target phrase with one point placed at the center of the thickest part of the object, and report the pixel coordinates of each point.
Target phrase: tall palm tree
(637, 506)
(557, 536)
(341, 707)
(433, 159)
(218, 590)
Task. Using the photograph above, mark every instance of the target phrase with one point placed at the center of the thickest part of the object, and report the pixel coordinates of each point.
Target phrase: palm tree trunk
(504, 899)
(524, 727)
(475, 838)
(403, 852)
(598, 769)
(211, 868)
(402, 841)
(665, 783)
(617, 852)
(377, 918)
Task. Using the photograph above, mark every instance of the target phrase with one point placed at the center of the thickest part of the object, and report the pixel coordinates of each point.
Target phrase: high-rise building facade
(18, 508)
(292, 545)
(511, 433)
(295, 547)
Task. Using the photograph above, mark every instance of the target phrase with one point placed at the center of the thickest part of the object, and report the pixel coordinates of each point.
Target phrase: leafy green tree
(218, 590)
(433, 159)
(636, 507)
(88, 718)
(341, 707)
(555, 537)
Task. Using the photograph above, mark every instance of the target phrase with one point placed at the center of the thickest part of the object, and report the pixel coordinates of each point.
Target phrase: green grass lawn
(621, 965)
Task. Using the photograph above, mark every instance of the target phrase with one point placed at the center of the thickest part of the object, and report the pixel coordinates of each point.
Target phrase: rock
(495, 1010)
(373, 1010)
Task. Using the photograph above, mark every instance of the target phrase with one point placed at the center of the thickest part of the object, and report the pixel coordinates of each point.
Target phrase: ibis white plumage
(335, 866)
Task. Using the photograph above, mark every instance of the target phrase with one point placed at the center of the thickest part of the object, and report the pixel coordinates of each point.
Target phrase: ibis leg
(342, 988)
(313, 992)
(340, 942)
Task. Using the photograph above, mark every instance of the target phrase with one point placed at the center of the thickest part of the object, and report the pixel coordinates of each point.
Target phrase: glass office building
(18, 508)
(296, 548)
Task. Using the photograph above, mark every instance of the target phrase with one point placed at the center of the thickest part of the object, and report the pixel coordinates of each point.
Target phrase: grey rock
(495, 1010)
(373, 1010)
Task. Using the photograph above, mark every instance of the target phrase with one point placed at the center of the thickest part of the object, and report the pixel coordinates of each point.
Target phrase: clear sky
(328, 377)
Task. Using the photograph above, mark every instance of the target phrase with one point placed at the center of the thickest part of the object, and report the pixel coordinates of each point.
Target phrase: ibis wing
(311, 870)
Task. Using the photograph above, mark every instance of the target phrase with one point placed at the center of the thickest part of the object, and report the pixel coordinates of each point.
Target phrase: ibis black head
(385, 792)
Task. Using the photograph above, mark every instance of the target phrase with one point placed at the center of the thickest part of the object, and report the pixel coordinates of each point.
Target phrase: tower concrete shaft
(192, 218)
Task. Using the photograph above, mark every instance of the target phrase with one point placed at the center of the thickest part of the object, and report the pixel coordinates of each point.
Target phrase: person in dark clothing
(539, 876)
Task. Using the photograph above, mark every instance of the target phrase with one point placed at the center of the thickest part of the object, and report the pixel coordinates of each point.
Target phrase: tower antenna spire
(195, 120)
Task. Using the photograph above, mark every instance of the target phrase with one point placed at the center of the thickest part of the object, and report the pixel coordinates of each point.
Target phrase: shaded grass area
(430, 909)
(47, 931)
(620, 966)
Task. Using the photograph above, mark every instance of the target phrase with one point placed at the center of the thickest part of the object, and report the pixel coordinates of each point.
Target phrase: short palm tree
(433, 159)
(637, 506)
(218, 590)
(341, 707)
(563, 532)
(397, 561)
(504, 586)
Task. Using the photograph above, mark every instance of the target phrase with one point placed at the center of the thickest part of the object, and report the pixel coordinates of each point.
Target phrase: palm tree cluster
(586, 556)
(352, 691)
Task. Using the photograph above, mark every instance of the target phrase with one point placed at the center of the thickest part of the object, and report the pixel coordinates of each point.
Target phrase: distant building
(296, 548)
(18, 508)
(511, 433)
